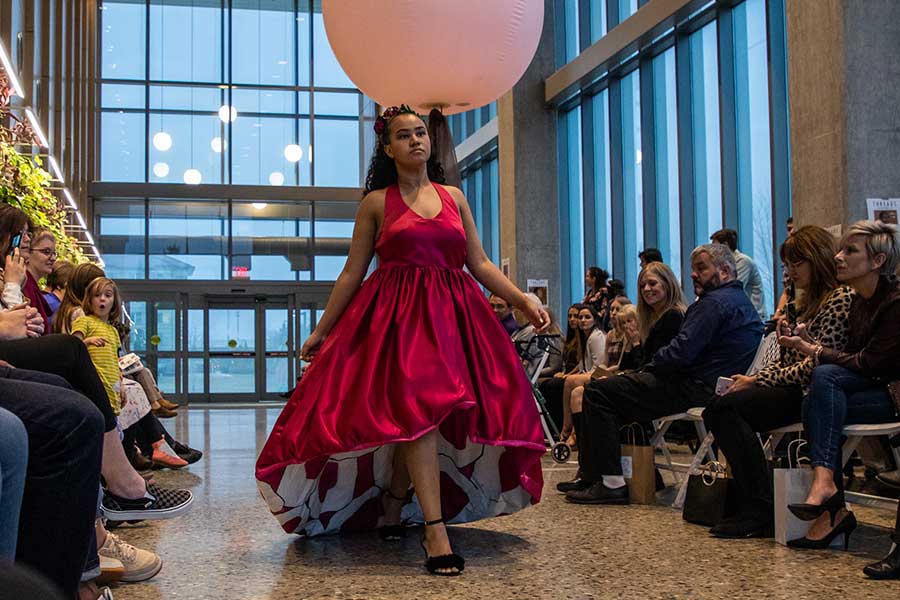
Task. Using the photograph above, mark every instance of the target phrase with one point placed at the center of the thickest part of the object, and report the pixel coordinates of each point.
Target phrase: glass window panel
(495, 212)
(263, 42)
(123, 26)
(338, 105)
(304, 38)
(753, 159)
(575, 202)
(570, 18)
(186, 40)
(627, 8)
(259, 144)
(195, 376)
(705, 129)
(122, 146)
(268, 101)
(335, 219)
(277, 375)
(188, 240)
(165, 327)
(227, 325)
(329, 267)
(276, 330)
(270, 241)
(328, 72)
(177, 97)
(232, 375)
(666, 147)
(196, 330)
(114, 95)
(598, 19)
(137, 310)
(337, 153)
(602, 182)
(631, 178)
(121, 237)
(191, 147)
(165, 375)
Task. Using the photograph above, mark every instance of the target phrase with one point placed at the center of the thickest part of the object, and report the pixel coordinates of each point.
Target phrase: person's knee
(577, 397)
(14, 437)
(596, 397)
(825, 375)
(715, 413)
(29, 376)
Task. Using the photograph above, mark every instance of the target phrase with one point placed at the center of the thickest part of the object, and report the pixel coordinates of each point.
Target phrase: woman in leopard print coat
(773, 398)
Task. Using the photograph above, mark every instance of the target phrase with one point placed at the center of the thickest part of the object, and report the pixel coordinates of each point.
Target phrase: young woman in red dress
(415, 407)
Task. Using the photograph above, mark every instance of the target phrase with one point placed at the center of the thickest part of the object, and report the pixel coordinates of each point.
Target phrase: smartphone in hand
(723, 384)
(16, 241)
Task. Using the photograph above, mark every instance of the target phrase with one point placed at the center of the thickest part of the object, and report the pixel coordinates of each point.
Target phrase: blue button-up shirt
(718, 338)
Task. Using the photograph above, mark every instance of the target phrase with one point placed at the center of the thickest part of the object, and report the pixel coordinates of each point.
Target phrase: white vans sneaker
(140, 565)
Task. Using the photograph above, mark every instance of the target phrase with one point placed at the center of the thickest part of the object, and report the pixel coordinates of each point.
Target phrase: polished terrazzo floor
(229, 547)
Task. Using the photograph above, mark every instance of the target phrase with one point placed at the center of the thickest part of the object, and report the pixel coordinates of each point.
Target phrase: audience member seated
(55, 289)
(660, 312)
(552, 388)
(747, 271)
(623, 343)
(554, 362)
(650, 255)
(504, 313)
(13, 461)
(719, 336)
(64, 449)
(849, 386)
(590, 356)
(40, 254)
(773, 397)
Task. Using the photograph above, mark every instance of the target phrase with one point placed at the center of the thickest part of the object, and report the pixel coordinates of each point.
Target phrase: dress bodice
(410, 240)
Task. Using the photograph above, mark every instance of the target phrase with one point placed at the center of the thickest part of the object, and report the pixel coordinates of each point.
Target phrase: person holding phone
(773, 397)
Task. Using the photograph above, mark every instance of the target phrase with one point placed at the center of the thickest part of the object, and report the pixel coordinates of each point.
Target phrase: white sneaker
(140, 565)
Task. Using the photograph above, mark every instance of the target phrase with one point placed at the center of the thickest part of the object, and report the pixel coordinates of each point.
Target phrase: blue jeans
(839, 397)
(13, 461)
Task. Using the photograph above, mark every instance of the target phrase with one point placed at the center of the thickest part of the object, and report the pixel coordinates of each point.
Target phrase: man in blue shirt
(718, 337)
(504, 313)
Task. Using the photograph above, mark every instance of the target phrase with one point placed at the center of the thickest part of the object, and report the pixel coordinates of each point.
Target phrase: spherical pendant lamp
(456, 55)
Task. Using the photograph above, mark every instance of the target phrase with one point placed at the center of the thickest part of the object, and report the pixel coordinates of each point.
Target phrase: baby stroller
(540, 347)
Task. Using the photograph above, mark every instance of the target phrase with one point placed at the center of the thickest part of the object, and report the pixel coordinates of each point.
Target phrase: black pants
(552, 391)
(65, 448)
(735, 419)
(66, 356)
(616, 401)
(146, 432)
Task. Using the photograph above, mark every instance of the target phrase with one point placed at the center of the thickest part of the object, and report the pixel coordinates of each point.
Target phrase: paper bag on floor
(639, 467)
(791, 486)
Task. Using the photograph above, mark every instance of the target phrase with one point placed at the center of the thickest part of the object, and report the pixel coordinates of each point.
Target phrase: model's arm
(362, 248)
(487, 273)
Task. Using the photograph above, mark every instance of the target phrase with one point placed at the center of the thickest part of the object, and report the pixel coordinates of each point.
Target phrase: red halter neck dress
(417, 348)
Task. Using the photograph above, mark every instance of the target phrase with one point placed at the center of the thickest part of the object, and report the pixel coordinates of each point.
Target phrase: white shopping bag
(791, 487)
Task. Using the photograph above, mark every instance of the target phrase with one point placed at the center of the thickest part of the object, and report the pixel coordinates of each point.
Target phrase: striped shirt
(105, 358)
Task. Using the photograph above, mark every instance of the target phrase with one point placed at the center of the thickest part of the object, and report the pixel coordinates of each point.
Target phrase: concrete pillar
(844, 86)
(529, 218)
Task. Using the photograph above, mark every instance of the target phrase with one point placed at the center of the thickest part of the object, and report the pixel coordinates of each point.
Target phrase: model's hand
(14, 271)
(537, 316)
(311, 346)
(741, 382)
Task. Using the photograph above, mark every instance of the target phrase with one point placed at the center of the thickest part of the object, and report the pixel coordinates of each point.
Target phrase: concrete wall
(529, 217)
(844, 86)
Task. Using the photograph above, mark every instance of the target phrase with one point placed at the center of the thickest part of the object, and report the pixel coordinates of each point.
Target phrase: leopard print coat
(828, 327)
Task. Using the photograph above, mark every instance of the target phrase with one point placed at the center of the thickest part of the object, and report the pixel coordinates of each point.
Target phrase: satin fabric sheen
(418, 347)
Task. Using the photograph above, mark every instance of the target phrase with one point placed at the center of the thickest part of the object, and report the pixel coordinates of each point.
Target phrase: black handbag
(707, 499)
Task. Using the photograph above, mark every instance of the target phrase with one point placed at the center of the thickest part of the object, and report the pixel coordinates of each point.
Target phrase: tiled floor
(230, 547)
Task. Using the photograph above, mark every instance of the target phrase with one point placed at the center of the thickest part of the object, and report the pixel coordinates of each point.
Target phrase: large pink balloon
(453, 54)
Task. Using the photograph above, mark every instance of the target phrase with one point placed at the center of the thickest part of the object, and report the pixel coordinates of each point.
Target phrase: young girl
(590, 356)
(406, 365)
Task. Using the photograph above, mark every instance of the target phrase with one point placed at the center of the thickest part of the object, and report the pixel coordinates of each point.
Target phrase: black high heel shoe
(811, 512)
(888, 567)
(434, 564)
(392, 533)
(845, 527)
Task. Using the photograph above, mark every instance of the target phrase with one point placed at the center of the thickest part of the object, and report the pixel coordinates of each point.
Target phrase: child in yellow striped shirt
(101, 305)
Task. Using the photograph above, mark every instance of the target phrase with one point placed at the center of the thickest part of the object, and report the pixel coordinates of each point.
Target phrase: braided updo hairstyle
(382, 169)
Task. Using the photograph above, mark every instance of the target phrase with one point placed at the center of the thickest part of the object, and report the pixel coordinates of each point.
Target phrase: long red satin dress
(417, 348)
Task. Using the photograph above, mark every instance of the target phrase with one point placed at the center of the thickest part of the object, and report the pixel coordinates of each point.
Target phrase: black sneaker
(186, 453)
(157, 503)
(598, 493)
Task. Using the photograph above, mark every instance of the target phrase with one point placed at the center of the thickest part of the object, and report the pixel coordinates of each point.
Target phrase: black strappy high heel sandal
(392, 533)
(811, 512)
(434, 564)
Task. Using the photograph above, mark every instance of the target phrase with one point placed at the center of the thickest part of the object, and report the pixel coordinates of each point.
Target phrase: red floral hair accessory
(382, 121)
